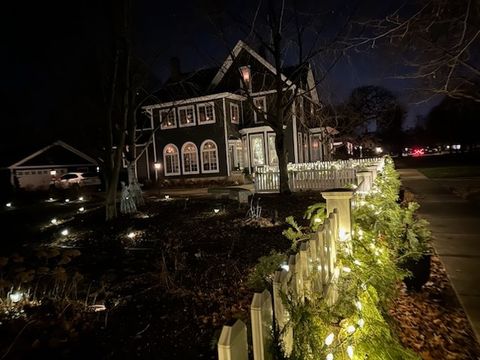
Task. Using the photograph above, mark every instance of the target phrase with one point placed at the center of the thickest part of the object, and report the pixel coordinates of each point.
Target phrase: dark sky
(49, 49)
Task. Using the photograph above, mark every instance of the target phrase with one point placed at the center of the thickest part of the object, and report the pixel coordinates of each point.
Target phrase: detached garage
(36, 171)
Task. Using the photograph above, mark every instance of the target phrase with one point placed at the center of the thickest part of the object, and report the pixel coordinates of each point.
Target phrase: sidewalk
(455, 225)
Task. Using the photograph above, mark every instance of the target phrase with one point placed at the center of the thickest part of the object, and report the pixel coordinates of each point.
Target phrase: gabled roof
(231, 57)
(55, 155)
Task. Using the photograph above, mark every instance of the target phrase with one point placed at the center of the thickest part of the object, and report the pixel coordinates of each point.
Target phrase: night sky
(49, 51)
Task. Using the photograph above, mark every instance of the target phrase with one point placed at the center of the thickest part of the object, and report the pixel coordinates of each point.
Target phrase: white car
(72, 179)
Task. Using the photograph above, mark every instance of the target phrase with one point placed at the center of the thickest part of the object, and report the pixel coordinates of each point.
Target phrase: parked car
(73, 179)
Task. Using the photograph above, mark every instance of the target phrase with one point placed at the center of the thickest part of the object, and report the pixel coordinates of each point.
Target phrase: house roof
(188, 85)
(58, 153)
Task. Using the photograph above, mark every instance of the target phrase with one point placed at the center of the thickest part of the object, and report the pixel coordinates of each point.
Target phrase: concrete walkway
(455, 225)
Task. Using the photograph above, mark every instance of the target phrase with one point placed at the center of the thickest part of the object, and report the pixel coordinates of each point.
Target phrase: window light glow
(329, 339)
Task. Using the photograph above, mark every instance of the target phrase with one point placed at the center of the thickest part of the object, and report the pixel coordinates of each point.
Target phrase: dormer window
(186, 116)
(246, 78)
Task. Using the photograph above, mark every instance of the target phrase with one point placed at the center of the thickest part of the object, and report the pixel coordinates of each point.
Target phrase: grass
(451, 171)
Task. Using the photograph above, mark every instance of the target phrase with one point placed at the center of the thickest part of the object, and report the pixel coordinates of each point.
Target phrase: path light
(216, 211)
(64, 232)
(131, 235)
(54, 221)
(329, 339)
(16, 296)
(82, 209)
(9, 204)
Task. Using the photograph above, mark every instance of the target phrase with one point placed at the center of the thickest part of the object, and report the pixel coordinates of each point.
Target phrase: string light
(350, 329)
(350, 351)
(329, 339)
(9, 204)
(346, 269)
(16, 296)
(54, 221)
(358, 304)
(329, 356)
(82, 209)
(131, 235)
(361, 323)
(64, 232)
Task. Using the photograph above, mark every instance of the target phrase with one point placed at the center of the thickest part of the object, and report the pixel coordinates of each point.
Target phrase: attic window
(246, 78)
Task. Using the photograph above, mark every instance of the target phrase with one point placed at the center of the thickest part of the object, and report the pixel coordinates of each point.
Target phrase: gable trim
(59, 143)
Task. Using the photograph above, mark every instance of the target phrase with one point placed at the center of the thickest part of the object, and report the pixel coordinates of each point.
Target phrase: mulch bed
(169, 289)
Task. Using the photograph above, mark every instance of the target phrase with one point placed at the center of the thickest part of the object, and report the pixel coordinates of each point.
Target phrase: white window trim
(185, 172)
(255, 118)
(165, 160)
(216, 156)
(232, 105)
(194, 123)
(162, 124)
(213, 112)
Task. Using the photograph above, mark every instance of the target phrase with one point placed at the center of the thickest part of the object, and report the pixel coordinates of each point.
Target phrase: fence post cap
(337, 194)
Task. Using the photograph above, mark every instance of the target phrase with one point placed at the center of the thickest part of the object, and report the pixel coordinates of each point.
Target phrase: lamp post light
(157, 167)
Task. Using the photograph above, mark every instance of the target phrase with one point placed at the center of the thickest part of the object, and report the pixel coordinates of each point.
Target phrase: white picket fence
(312, 176)
(312, 270)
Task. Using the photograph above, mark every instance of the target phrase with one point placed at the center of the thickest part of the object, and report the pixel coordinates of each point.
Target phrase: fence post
(364, 181)
(373, 170)
(340, 199)
(280, 286)
(232, 344)
(262, 322)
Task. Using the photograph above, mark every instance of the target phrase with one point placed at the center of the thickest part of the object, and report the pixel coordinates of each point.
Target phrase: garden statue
(127, 202)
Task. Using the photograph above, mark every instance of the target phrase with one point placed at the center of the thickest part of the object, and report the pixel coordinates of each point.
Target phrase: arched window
(209, 157)
(190, 158)
(171, 160)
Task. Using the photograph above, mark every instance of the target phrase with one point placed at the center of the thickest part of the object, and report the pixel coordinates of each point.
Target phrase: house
(207, 128)
(37, 170)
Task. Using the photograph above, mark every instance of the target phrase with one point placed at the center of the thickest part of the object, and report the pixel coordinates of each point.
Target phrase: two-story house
(208, 128)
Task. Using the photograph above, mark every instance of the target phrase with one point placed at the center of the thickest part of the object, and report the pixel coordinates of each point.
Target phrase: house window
(257, 150)
(168, 119)
(246, 78)
(209, 157)
(206, 113)
(260, 108)
(186, 116)
(190, 158)
(171, 160)
(272, 152)
(305, 147)
(234, 113)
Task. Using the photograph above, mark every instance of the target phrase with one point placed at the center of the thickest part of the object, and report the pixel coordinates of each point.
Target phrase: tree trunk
(282, 162)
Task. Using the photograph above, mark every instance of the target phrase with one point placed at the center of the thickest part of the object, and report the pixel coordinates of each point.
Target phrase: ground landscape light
(16, 296)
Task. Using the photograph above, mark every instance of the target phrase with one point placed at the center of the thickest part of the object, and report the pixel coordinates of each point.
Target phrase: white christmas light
(350, 351)
(216, 211)
(357, 262)
(167, 197)
(358, 304)
(80, 198)
(346, 269)
(9, 204)
(131, 235)
(329, 356)
(350, 329)
(64, 232)
(317, 220)
(82, 209)
(329, 339)
(67, 200)
(361, 323)
(54, 221)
